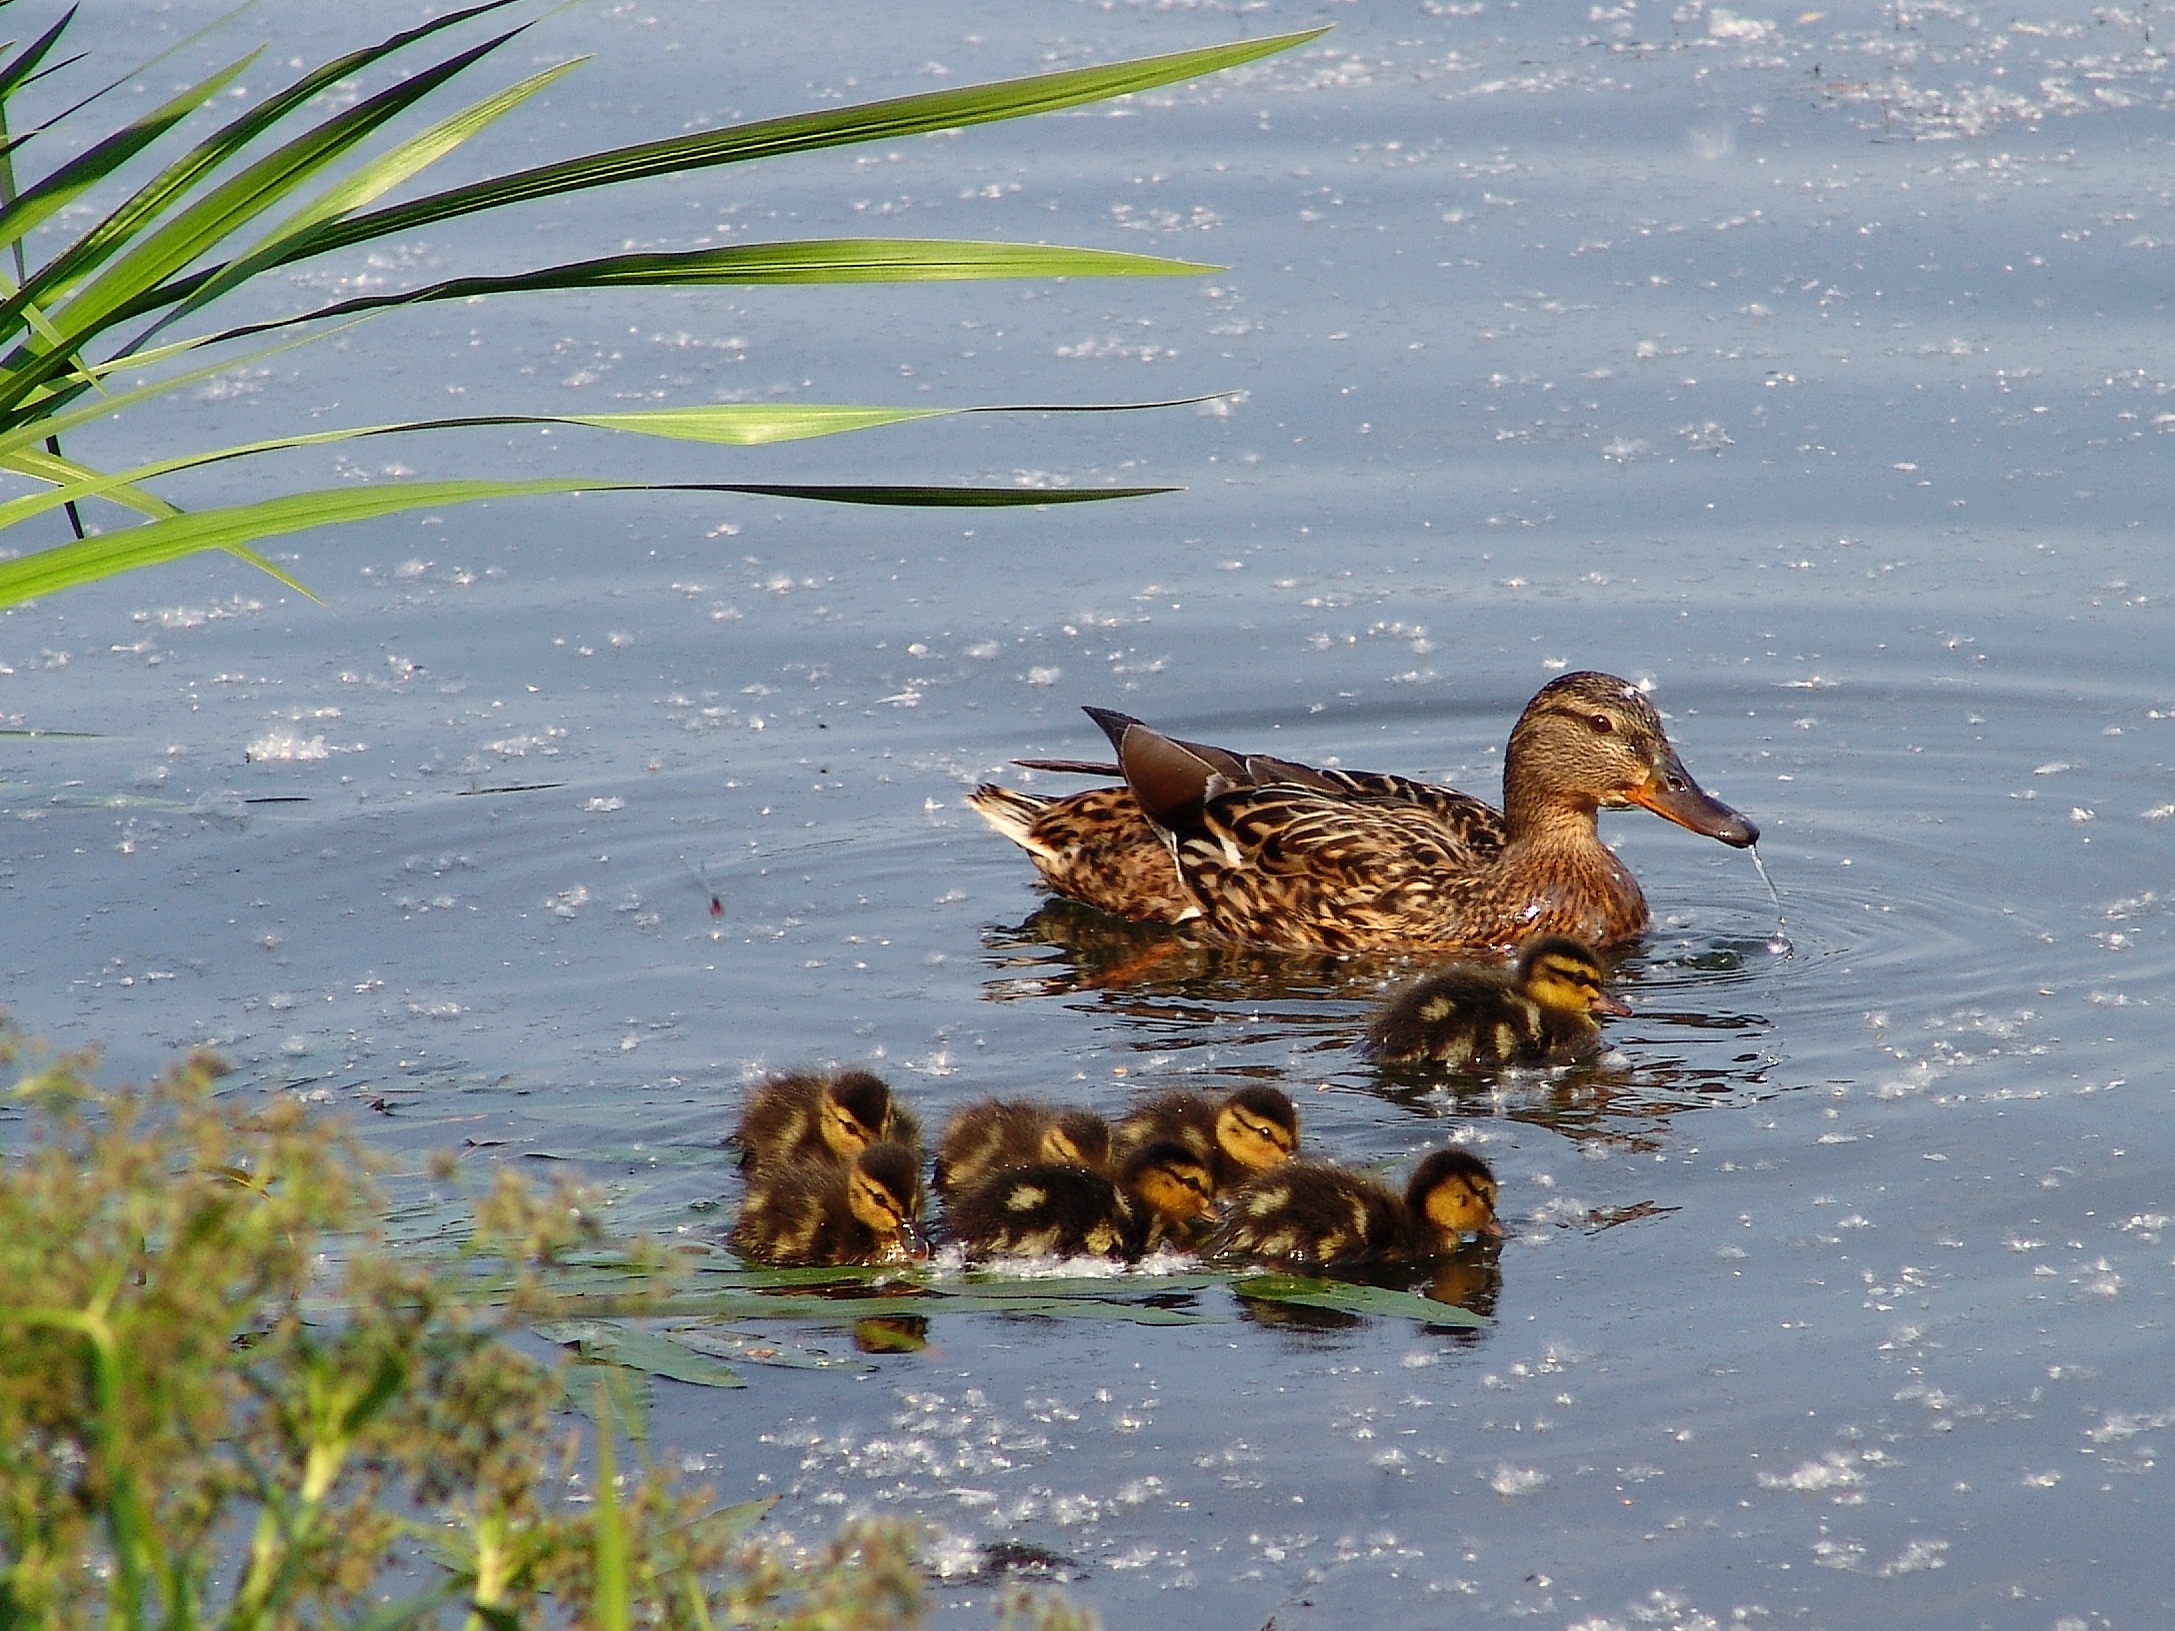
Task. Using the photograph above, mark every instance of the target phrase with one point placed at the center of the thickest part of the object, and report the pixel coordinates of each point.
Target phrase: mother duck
(1261, 850)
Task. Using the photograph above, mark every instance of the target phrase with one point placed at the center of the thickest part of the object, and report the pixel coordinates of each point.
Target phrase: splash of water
(1780, 945)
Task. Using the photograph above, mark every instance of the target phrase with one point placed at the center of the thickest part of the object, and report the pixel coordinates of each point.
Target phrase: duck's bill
(1672, 794)
(1606, 1004)
(912, 1241)
(1492, 1230)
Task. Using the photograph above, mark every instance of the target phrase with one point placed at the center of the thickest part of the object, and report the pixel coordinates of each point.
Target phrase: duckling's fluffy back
(993, 1135)
(785, 1119)
(1310, 1214)
(1044, 1209)
(1466, 1015)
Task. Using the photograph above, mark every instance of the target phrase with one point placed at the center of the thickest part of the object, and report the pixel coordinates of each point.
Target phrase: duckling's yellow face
(888, 1215)
(1463, 1203)
(844, 1131)
(1573, 983)
(1253, 1140)
(1177, 1191)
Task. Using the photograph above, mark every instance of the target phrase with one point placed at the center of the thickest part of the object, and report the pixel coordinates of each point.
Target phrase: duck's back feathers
(985, 1138)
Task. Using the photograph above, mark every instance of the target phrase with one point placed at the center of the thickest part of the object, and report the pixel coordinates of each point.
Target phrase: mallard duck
(1309, 1214)
(1249, 1131)
(1469, 1014)
(1253, 848)
(984, 1139)
(807, 1115)
(829, 1213)
(1060, 1209)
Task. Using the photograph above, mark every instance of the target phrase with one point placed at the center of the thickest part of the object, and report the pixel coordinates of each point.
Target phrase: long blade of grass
(803, 132)
(67, 565)
(124, 224)
(76, 481)
(187, 233)
(48, 196)
(23, 68)
(47, 421)
(800, 261)
(730, 424)
(610, 1608)
(371, 181)
(809, 261)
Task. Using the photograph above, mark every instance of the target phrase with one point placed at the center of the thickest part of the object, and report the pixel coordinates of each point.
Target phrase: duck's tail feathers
(1012, 813)
(1072, 767)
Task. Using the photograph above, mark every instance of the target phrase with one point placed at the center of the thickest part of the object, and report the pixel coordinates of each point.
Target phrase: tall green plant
(204, 1427)
(278, 185)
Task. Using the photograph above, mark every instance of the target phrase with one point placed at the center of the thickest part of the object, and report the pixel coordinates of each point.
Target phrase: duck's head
(856, 1108)
(1078, 1138)
(1590, 741)
(884, 1191)
(1559, 972)
(1171, 1181)
(1257, 1127)
(1455, 1192)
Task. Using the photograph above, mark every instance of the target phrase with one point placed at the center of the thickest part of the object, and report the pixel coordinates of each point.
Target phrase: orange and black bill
(1671, 792)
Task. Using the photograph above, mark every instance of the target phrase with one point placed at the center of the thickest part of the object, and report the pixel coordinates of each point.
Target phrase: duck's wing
(1172, 779)
(1293, 866)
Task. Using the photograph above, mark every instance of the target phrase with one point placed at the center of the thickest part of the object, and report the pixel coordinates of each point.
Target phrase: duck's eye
(1602, 724)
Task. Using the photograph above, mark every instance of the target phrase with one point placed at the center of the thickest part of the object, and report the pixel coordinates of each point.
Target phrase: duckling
(1061, 1209)
(1250, 1131)
(822, 1213)
(1310, 1214)
(1467, 1014)
(995, 1135)
(806, 1115)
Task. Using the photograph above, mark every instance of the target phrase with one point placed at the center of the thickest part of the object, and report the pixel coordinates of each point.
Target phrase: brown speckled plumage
(829, 1213)
(1094, 846)
(1309, 1214)
(985, 1138)
(1245, 1132)
(1261, 850)
(1472, 1014)
(821, 1116)
(1057, 1209)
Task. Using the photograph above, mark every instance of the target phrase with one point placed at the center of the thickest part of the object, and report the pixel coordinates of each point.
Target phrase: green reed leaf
(66, 566)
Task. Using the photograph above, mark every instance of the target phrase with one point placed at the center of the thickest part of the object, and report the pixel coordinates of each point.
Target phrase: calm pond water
(1813, 366)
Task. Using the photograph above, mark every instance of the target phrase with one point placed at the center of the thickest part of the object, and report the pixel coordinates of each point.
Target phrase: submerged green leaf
(1346, 1296)
(765, 1348)
(651, 1352)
